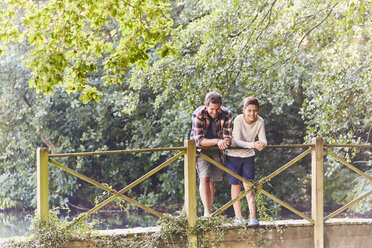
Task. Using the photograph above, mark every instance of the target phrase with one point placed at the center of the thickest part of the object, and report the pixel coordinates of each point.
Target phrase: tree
(309, 53)
(72, 39)
(310, 57)
(308, 62)
(64, 124)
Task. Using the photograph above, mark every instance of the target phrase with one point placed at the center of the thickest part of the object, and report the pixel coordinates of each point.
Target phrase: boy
(241, 161)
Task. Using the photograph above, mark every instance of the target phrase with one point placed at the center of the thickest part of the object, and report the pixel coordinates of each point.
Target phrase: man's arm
(210, 142)
(197, 130)
(262, 134)
(262, 142)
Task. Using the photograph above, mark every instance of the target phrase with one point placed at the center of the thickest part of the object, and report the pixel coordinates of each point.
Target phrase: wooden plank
(340, 210)
(190, 189)
(317, 192)
(78, 154)
(198, 147)
(349, 145)
(42, 183)
(269, 146)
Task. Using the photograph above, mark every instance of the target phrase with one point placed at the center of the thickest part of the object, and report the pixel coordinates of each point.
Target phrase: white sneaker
(240, 222)
(253, 222)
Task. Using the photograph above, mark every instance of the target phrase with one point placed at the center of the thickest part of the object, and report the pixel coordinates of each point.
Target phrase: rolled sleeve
(197, 132)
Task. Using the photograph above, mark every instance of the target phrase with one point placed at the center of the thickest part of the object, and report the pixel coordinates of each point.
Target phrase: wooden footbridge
(316, 230)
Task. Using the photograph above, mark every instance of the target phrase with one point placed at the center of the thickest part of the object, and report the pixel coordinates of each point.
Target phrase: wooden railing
(189, 151)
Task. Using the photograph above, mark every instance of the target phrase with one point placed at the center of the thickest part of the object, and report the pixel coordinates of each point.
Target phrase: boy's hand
(228, 142)
(259, 145)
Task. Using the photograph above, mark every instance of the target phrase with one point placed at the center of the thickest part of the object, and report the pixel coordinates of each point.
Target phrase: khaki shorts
(207, 169)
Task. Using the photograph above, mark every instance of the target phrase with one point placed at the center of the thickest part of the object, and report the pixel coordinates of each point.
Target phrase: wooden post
(42, 184)
(190, 188)
(317, 191)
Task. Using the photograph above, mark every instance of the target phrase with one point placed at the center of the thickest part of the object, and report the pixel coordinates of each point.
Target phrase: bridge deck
(284, 223)
(346, 232)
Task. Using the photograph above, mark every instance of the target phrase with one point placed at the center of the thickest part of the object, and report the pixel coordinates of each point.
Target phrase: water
(16, 223)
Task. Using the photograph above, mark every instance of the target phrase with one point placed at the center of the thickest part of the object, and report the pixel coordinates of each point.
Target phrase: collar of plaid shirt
(220, 121)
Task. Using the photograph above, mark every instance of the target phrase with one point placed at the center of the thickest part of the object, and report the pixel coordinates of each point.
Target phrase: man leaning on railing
(211, 125)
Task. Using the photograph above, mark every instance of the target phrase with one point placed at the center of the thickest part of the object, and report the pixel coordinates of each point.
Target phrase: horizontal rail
(349, 145)
(269, 146)
(78, 154)
(291, 146)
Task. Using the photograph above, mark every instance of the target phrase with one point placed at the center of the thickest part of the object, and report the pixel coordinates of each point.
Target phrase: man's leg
(206, 194)
(251, 199)
(235, 191)
(211, 188)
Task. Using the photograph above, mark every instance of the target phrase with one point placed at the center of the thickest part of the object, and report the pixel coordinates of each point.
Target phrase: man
(211, 125)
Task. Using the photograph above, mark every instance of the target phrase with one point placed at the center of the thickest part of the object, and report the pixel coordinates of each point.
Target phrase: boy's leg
(251, 199)
(249, 173)
(235, 191)
(234, 164)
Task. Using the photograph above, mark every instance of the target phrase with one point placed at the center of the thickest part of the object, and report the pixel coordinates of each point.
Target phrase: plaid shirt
(200, 124)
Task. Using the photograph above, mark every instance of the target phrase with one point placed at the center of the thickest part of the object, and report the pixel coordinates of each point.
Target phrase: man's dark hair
(213, 97)
(251, 100)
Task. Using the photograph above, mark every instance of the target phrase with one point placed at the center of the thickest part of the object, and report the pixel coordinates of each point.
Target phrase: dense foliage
(309, 63)
(65, 124)
(173, 230)
(71, 39)
(316, 54)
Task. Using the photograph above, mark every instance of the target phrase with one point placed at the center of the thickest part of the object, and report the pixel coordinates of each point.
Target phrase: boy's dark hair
(251, 100)
(213, 97)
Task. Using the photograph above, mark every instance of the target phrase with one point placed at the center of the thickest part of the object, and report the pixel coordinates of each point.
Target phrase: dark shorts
(244, 167)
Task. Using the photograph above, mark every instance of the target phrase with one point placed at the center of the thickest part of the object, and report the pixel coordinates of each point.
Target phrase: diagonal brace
(287, 165)
(340, 210)
(106, 188)
(253, 185)
(348, 165)
(127, 188)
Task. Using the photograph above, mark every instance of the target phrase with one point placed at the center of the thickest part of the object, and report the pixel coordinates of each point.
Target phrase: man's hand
(223, 144)
(259, 145)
